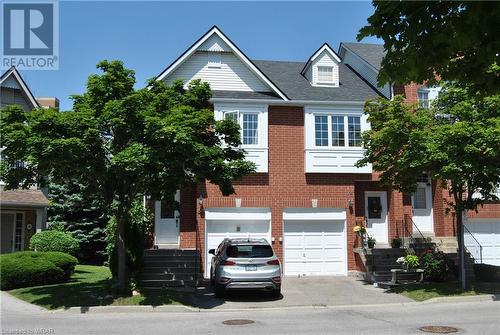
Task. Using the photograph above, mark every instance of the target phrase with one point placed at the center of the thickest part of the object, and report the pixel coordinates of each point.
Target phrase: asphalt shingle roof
(22, 198)
(372, 53)
(287, 76)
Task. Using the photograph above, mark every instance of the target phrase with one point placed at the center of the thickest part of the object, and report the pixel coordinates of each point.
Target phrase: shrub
(30, 268)
(53, 240)
(436, 266)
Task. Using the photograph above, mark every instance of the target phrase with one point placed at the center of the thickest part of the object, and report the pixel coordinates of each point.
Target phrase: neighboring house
(429, 203)
(301, 125)
(23, 212)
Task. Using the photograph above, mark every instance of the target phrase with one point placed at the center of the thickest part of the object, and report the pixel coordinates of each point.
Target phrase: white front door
(422, 208)
(167, 222)
(376, 216)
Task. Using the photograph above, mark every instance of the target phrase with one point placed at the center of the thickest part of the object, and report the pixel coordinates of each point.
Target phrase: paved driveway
(304, 291)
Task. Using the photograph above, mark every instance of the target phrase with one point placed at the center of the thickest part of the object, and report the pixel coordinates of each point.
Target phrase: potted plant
(371, 241)
(409, 262)
(396, 242)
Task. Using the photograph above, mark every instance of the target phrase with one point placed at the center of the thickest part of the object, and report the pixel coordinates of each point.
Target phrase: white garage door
(487, 233)
(224, 223)
(314, 246)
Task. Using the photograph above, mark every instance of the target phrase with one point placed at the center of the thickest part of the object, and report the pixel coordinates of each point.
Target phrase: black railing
(411, 241)
(476, 251)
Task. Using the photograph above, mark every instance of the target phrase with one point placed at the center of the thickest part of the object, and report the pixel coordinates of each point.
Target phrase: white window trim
(330, 114)
(318, 81)
(262, 119)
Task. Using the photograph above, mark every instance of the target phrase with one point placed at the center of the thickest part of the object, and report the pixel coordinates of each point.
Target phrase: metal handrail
(479, 244)
(414, 225)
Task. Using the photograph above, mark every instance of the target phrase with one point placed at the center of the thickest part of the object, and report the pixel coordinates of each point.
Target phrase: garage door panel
(314, 248)
(487, 233)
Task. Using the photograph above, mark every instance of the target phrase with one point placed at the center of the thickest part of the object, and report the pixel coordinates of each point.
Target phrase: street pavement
(469, 317)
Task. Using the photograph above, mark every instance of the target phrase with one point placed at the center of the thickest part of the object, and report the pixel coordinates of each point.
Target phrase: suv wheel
(212, 280)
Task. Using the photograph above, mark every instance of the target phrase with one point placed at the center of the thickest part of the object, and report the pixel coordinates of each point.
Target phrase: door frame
(177, 218)
(14, 226)
(384, 196)
(428, 188)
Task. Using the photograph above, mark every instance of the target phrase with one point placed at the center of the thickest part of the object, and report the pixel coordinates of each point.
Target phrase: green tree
(456, 40)
(75, 210)
(123, 143)
(456, 142)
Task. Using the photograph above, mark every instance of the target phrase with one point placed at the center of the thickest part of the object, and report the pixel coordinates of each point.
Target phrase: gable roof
(237, 52)
(325, 47)
(288, 76)
(12, 72)
(370, 53)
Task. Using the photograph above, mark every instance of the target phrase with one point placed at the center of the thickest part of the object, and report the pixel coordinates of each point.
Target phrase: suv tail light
(227, 263)
(273, 262)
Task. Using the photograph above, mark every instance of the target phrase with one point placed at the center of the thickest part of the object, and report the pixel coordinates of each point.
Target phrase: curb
(471, 298)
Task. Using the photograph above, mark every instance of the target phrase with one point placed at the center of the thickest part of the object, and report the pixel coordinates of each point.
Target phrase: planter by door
(422, 208)
(167, 223)
(376, 214)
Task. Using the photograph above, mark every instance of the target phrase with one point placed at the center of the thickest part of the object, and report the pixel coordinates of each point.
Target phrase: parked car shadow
(205, 296)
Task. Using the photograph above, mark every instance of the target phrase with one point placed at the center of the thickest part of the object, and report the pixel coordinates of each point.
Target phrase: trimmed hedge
(31, 268)
(53, 240)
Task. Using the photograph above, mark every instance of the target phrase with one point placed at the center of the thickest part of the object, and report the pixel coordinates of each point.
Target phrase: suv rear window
(249, 251)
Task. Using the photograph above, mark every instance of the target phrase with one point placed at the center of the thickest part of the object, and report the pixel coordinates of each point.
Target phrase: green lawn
(93, 286)
(425, 291)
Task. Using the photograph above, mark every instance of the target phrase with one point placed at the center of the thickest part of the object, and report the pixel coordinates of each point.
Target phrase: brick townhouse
(301, 124)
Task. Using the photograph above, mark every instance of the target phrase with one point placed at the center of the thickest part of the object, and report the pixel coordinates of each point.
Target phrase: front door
(376, 216)
(167, 222)
(422, 208)
(7, 230)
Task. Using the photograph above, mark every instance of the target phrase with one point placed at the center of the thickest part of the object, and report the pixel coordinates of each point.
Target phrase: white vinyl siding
(333, 140)
(323, 62)
(232, 75)
(366, 71)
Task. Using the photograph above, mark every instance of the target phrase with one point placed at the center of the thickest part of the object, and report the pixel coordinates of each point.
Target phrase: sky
(148, 36)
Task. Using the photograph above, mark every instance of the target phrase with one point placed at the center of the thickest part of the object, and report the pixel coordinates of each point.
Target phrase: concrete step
(172, 263)
(166, 258)
(173, 270)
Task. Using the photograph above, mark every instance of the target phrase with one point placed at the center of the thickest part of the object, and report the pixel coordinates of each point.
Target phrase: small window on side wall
(214, 60)
(325, 74)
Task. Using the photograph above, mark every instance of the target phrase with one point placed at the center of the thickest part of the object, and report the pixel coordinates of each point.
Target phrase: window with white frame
(337, 131)
(249, 125)
(423, 98)
(325, 74)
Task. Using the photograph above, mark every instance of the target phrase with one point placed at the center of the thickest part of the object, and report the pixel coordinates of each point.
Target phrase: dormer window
(325, 74)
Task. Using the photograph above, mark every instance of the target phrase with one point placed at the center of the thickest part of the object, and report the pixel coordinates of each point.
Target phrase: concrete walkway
(14, 305)
(304, 291)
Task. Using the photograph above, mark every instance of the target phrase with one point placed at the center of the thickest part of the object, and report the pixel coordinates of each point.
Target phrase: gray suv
(245, 264)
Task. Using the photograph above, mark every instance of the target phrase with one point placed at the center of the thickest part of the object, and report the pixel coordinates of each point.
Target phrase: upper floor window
(325, 74)
(331, 130)
(249, 125)
(423, 98)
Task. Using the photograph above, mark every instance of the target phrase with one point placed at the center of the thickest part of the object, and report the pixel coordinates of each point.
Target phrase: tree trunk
(122, 253)
(461, 247)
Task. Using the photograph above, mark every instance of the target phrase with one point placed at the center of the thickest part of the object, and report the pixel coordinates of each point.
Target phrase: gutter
(289, 102)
